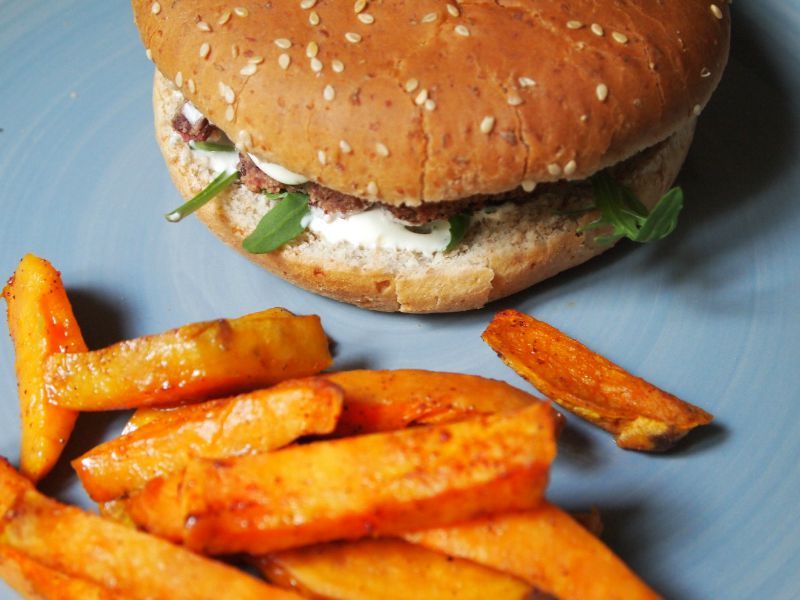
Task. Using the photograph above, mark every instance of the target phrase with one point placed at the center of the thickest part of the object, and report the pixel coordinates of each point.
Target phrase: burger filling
(427, 228)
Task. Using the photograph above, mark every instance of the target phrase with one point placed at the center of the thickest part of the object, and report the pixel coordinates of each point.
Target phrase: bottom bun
(504, 251)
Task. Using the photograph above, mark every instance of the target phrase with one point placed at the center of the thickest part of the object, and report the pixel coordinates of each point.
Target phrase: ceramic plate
(711, 313)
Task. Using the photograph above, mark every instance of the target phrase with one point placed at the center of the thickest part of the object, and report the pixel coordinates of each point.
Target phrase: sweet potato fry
(378, 401)
(386, 569)
(379, 484)
(254, 422)
(638, 414)
(88, 547)
(191, 363)
(41, 323)
(544, 547)
(389, 400)
(34, 581)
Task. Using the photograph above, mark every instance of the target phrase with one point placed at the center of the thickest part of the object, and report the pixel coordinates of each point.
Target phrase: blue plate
(710, 314)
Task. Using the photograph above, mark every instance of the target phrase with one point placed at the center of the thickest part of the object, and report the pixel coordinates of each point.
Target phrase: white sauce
(219, 161)
(279, 173)
(376, 228)
(191, 113)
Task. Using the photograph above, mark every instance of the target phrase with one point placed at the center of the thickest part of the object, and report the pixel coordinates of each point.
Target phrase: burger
(429, 156)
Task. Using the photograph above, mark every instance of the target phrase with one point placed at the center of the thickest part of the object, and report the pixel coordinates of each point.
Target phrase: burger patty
(340, 204)
(336, 203)
(197, 132)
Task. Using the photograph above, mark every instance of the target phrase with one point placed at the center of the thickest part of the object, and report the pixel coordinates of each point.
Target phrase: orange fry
(378, 484)
(386, 569)
(41, 323)
(128, 562)
(638, 414)
(191, 363)
(389, 400)
(544, 547)
(376, 401)
(34, 581)
(254, 422)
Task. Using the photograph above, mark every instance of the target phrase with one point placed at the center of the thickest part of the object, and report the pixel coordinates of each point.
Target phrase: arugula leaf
(280, 225)
(212, 146)
(221, 181)
(458, 229)
(627, 216)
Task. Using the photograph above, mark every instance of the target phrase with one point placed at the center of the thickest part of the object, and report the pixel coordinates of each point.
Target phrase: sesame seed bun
(503, 252)
(437, 102)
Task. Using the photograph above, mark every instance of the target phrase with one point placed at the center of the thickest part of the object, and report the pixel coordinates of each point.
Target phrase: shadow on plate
(102, 322)
(627, 529)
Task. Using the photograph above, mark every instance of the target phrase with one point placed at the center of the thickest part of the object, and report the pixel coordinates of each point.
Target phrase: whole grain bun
(426, 101)
(503, 252)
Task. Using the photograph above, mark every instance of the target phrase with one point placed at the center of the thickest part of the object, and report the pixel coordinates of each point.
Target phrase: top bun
(425, 101)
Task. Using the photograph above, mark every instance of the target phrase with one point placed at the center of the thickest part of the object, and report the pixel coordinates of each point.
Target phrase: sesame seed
(453, 10)
(462, 30)
(554, 169)
(382, 149)
(204, 50)
(149, 54)
(430, 104)
(704, 72)
(359, 5)
(570, 168)
(366, 18)
(248, 69)
(352, 37)
(430, 17)
(620, 38)
(313, 18)
(155, 8)
(284, 60)
(337, 66)
(584, 118)
(697, 110)
(487, 124)
(597, 29)
(574, 25)
(192, 87)
(345, 147)
(312, 49)
(526, 82)
(229, 113)
(179, 79)
(224, 18)
(328, 93)
(715, 10)
(411, 85)
(315, 64)
(372, 188)
(245, 141)
(227, 93)
(528, 185)
(601, 91)
(306, 4)
(235, 51)
(255, 60)
(203, 26)
(283, 43)
(321, 157)
(514, 100)
(421, 97)
(240, 11)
